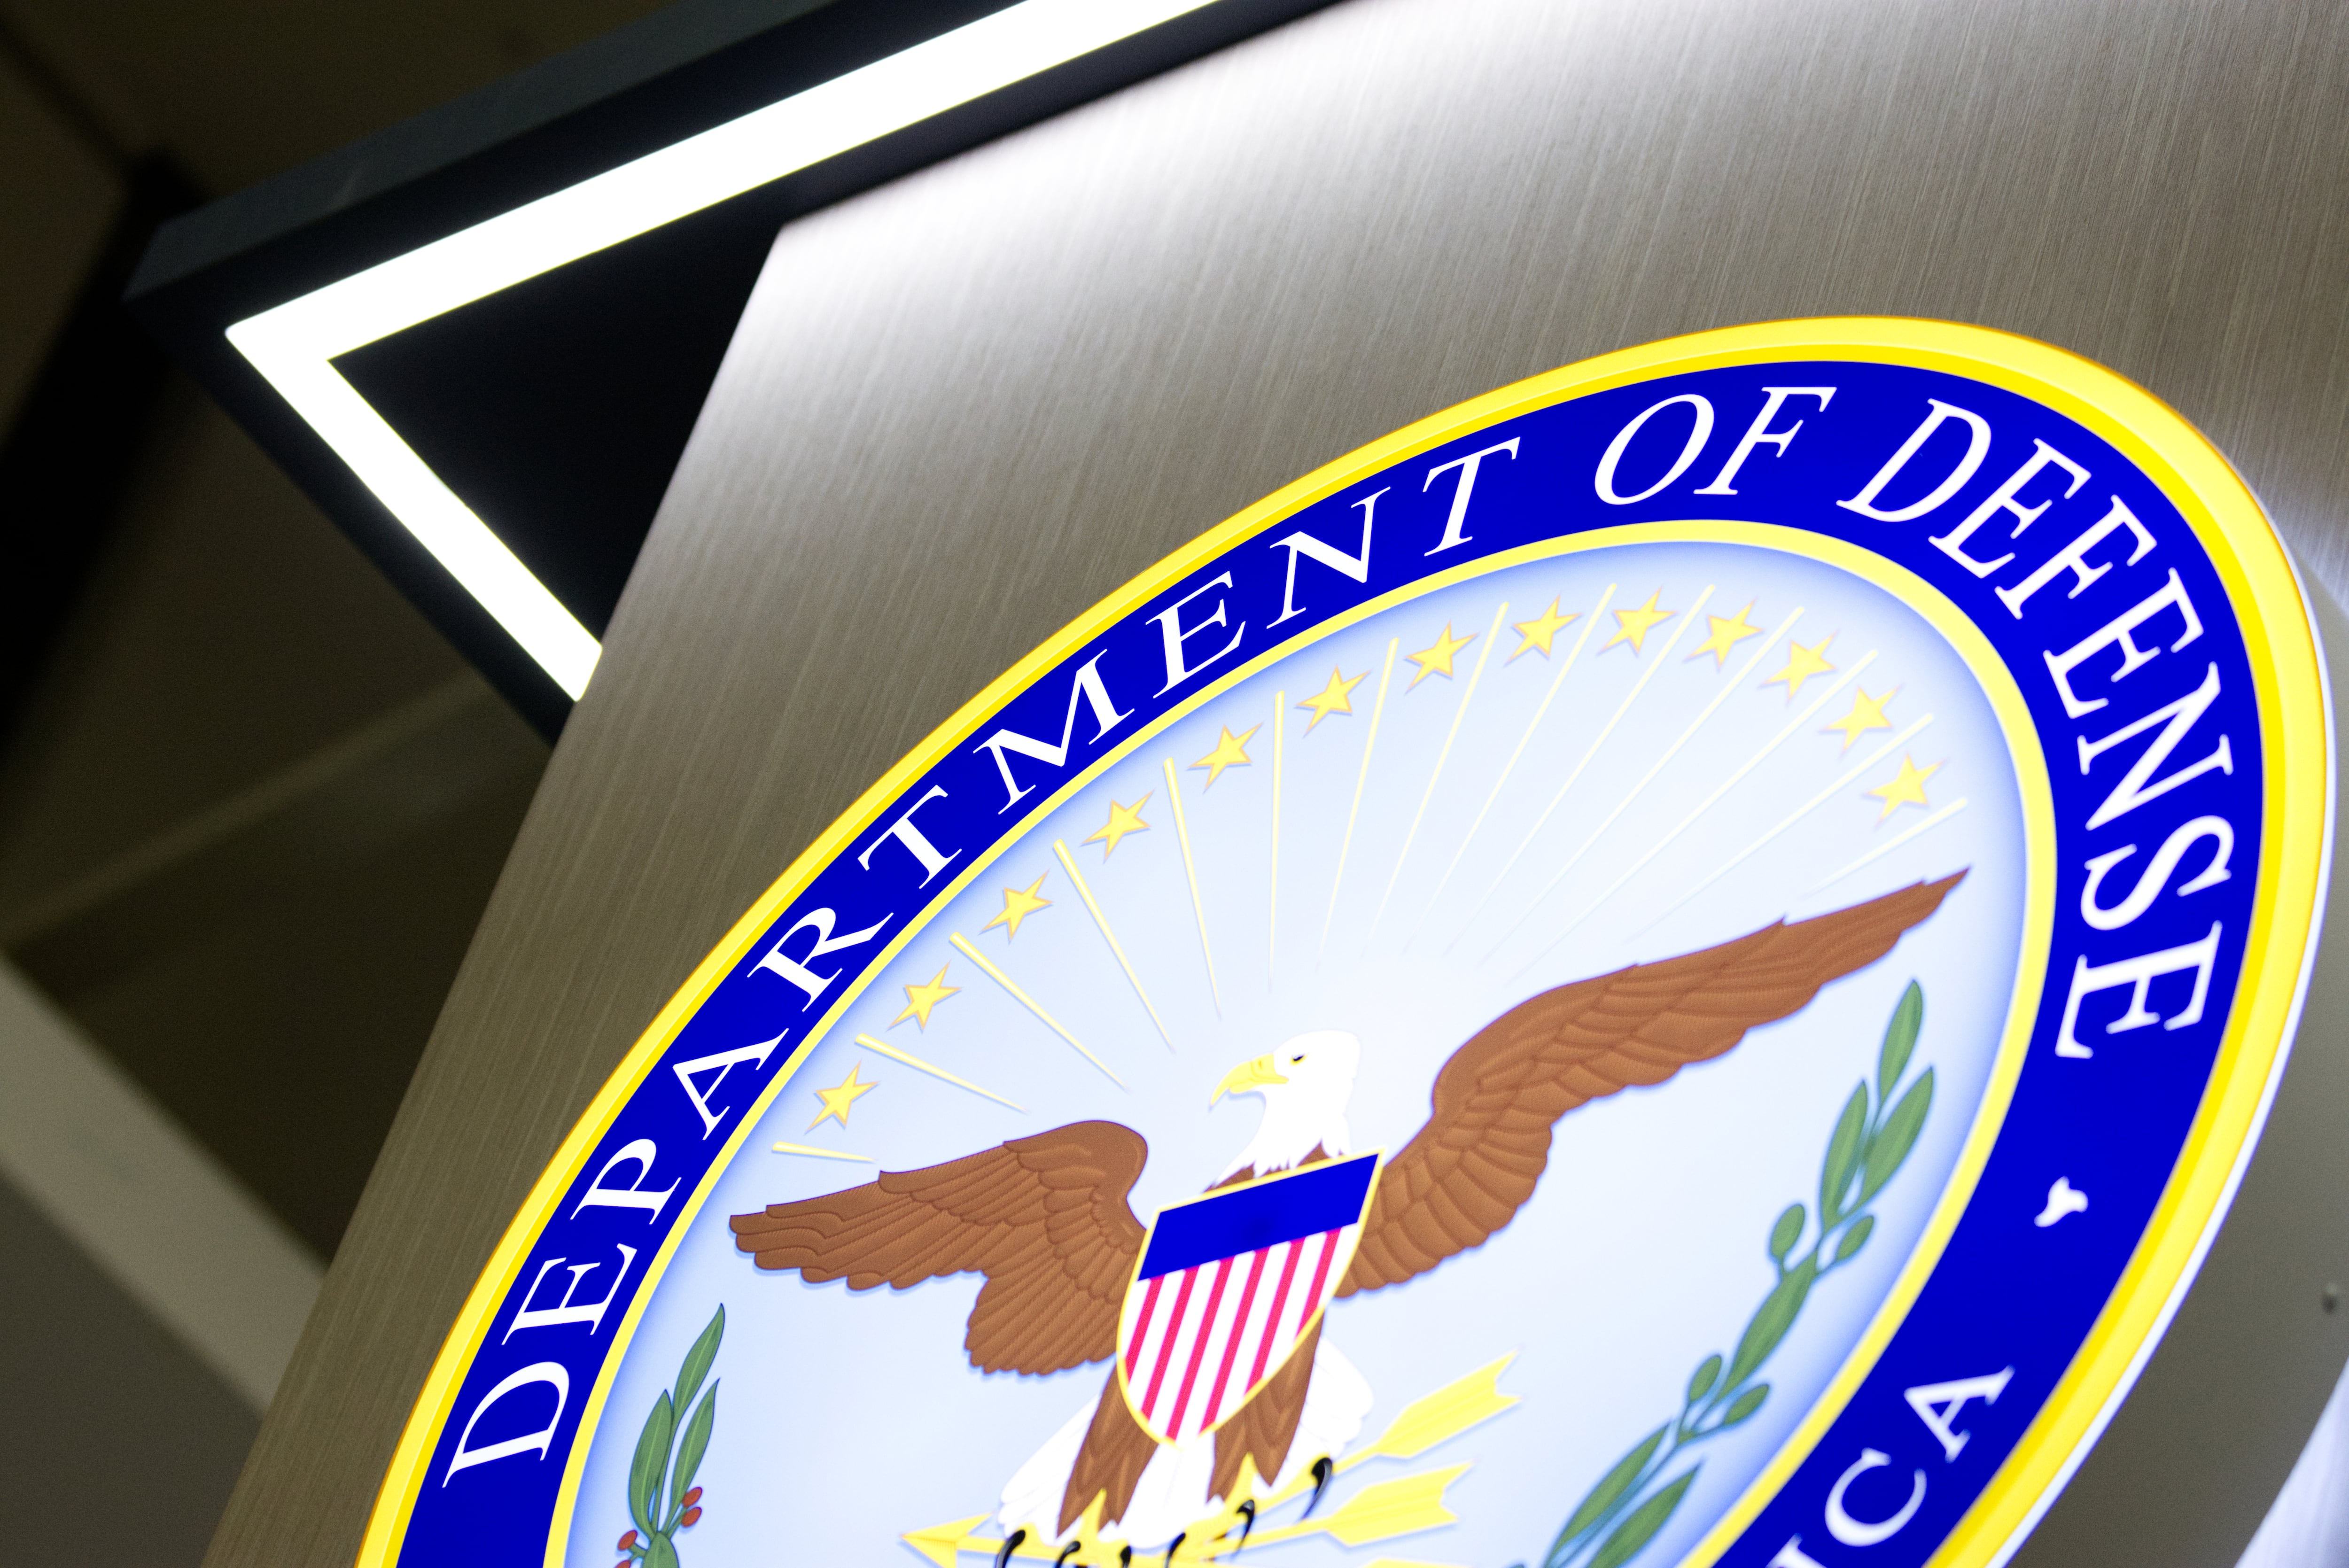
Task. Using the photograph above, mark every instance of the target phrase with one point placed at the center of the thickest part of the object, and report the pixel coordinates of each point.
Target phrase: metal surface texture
(965, 405)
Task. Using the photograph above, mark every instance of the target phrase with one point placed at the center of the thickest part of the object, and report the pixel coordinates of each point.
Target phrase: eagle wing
(1471, 1168)
(1045, 1219)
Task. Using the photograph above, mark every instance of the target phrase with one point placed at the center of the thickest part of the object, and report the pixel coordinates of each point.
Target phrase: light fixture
(294, 344)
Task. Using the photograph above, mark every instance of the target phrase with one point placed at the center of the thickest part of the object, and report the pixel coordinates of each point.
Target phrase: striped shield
(1227, 1284)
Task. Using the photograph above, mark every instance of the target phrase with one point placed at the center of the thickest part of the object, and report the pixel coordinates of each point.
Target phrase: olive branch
(653, 1542)
(1625, 1510)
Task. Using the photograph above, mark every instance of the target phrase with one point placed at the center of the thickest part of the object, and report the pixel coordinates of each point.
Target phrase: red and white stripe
(1203, 1338)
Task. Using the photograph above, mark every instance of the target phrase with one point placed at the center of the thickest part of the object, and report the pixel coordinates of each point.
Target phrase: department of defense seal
(1675, 964)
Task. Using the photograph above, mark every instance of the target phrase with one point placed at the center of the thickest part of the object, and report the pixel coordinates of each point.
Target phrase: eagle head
(1305, 1084)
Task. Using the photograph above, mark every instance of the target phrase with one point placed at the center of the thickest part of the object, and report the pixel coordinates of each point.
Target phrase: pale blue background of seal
(845, 1419)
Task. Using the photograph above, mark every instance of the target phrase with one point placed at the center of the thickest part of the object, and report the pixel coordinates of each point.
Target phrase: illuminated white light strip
(292, 345)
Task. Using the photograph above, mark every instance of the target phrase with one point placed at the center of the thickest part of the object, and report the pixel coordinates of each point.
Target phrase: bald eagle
(1047, 1221)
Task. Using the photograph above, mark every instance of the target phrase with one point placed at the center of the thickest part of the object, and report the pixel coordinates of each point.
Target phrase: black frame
(558, 408)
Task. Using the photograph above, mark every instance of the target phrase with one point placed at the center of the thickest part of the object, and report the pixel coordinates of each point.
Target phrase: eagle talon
(1247, 1511)
(1010, 1544)
(1322, 1470)
(1066, 1553)
(1174, 1545)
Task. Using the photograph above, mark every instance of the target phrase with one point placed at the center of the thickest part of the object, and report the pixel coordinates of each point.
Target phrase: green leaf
(697, 1360)
(1642, 1523)
(663, 1553)
(1785, 1234)
(1855, 1239)
(1611, 1487)
(1771, 1320)
(1843, 1156)
(1897, 1137)
(689, 1451)
(1745, 1404)
(1900, 1039)
(1702, 1380)
(650, 1463)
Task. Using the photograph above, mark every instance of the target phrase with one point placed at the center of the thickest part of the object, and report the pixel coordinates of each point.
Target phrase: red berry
(690, 1515)
(693, 1497)
(627, 1541)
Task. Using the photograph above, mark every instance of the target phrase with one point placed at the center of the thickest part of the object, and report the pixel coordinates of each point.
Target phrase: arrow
(939, 1542)
(1446, 1413)
(1428, 1420)
(1379, 1511)
(1375, 1514)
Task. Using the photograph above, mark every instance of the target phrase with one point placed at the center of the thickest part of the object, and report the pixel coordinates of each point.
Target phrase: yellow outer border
(2275, 624)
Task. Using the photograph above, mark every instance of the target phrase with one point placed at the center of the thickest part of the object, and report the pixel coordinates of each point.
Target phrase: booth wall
(964, 407)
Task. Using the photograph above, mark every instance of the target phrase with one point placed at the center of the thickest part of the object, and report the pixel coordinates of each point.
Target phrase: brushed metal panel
(2193, 1461)
(965, 405)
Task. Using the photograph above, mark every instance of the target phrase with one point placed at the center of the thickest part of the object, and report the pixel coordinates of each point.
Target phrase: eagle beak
(1252, 1074)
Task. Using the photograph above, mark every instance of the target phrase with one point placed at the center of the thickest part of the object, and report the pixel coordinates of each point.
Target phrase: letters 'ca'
(1654, 969)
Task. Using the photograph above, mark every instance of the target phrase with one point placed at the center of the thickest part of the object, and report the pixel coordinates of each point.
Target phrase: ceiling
(251, 804)
(241, 89)
(242, 728)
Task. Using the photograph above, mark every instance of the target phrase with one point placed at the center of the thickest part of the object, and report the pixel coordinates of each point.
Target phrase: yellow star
(1728, 631)
(1632, 626)
(1332, 697)
(1802, 664)
(836, 1101)
(1538, 631)
(1866, 713)
(920, 999)
(1906, 789)
(1226, 754)
(1122, 820)
(1017, 907)
(1436, 660)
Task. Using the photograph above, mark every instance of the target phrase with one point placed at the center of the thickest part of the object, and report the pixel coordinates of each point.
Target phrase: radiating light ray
(1435, 775)
(1935, 821)
(1025, 1000)
(1775, 741)
(1662, 657)
(1092, 907)
(1191, 872)
(1272, 906)
(1843, 783)
(1510, 766)
(811, 1150)
(1712, 799)
(1346, 844)
(918, 1065)
(1735, 684)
